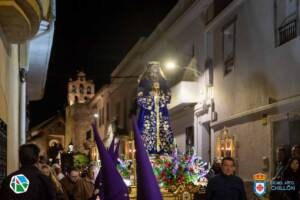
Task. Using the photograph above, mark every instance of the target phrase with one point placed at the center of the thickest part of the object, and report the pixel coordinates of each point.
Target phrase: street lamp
(171, 65)
(96, 115)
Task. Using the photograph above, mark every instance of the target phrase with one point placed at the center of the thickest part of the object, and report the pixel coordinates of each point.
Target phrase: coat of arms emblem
(260, 184)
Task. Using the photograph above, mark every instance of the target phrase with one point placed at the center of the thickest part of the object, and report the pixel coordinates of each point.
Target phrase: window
(76, 99)
(189, 139)
(81, 89)
(88, 135)
(74, 90)
(229, 46)
(286, 20)
(89, 90)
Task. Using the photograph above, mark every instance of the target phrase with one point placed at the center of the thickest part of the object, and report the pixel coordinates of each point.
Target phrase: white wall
(252, 144)
(179, 47)
(9, 102)
(261, 70)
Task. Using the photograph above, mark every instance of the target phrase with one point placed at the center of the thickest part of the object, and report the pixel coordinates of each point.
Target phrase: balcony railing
(287, 31)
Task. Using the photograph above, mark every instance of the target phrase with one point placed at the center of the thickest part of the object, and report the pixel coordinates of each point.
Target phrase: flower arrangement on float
(173, 171)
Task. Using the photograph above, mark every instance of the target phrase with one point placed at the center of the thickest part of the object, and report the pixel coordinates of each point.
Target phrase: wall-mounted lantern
(225, 144)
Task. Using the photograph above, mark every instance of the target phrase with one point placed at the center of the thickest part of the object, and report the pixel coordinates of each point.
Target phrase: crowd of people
(47, 182)
(287, 169)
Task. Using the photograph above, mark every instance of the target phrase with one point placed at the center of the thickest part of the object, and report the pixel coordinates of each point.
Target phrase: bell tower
(80, 90)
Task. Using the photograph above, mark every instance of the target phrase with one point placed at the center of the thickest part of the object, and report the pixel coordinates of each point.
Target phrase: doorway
(286, 132)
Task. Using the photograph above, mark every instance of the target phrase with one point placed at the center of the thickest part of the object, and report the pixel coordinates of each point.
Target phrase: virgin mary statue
(153, 121)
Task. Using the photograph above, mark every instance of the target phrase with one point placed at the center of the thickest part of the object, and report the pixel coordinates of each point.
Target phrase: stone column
(12, 89)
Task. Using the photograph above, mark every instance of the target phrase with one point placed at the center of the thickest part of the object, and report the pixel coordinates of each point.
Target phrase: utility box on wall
(3, 149)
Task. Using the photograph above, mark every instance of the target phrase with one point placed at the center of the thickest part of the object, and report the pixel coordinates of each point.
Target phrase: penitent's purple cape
(147, 187)
(114, 187)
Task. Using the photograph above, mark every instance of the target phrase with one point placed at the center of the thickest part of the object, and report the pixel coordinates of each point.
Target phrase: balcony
(19, 19)
(183, 94)
(287, 31)
(39, 52)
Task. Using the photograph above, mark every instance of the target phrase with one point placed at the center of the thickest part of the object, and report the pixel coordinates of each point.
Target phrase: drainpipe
(23, 68)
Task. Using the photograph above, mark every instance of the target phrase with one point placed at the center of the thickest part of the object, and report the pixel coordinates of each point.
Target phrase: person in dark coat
(292, 173)
(226, 186)
(214, 170)
(28, 183)
(283, 156)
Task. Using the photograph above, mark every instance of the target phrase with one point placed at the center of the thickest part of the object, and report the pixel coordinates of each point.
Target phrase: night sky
(94, 36)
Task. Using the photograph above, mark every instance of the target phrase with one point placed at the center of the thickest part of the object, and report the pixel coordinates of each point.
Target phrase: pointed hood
(114, 152)
(147, 186)
(114, 187)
